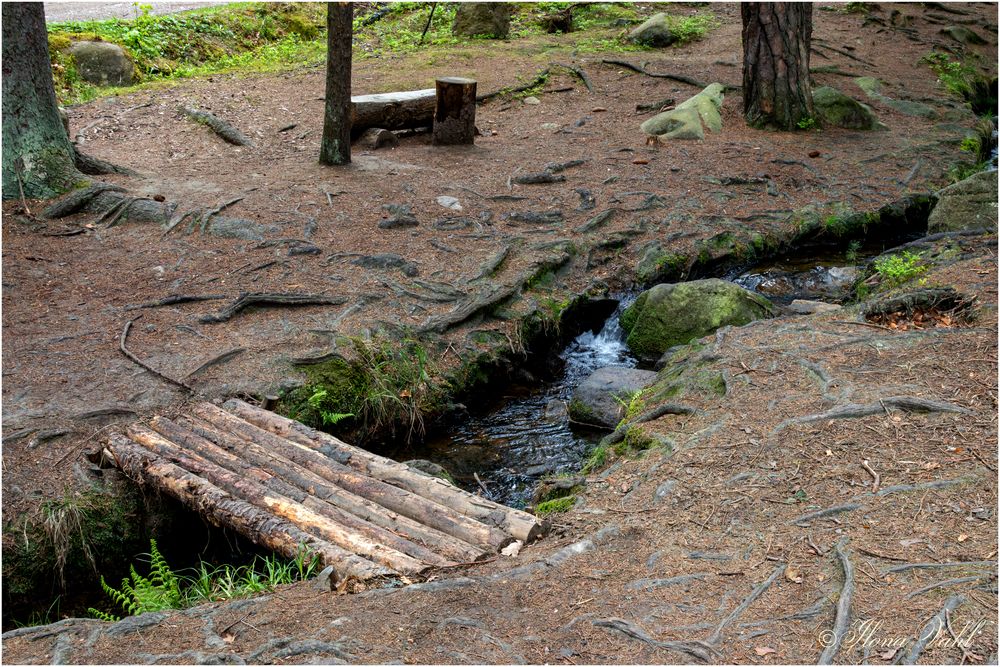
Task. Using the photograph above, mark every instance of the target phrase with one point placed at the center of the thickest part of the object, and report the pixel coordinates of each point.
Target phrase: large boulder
(675, 314)
(686, 120)
(655, 32)
(485, 19)
(103, 63)
(967, 204)
(835, 109)
(600, 400)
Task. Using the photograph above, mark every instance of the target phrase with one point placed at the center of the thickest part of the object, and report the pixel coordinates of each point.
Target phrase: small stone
(531, 100)
(159, 198)
(449, 202)
(512, 549)
(813, 153)
(806, 307)
(324, 580)
(550, 126)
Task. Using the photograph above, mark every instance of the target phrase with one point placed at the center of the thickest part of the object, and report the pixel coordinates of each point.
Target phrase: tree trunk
(776, 88)
(37, 154)
(336, 146)
(521, 525)
(256, 525)
(455, 113)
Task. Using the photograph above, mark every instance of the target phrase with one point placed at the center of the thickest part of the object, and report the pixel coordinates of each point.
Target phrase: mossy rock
(835, 109)
(674, 314)
(655, 32)
(967, 204)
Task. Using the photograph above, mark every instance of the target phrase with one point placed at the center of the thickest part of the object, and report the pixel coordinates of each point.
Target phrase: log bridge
(286, 487)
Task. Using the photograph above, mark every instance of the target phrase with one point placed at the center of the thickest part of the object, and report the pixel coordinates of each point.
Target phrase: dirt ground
(667, 547)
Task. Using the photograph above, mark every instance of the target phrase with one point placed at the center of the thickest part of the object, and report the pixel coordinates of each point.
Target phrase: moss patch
(563, 504)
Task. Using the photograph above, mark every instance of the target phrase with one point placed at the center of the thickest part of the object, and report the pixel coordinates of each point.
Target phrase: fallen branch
(271, 299)
(217, 125)
(218, 359)
(663, 75)
(856, 410)
(931, 629)
(537, 81)
(842, 622)
(137, 360)
(175, 299)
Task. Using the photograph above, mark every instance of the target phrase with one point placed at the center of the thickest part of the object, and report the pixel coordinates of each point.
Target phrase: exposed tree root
(537, 81)
(931, 629)
(229, 133)
(935, 566)
(76, 200)
(663, 75)
(579, 73)
(857, 410)
(270, 299)
(649, 415)
(175, 299)
(93, 166)
(805, 519)
(695, 649)
(944, 299)
(842, 622)
(137, 360)
(715, 638)
(218, 359)
(943, 584)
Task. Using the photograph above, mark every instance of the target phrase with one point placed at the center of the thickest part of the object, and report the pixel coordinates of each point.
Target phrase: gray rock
(598, 400)
(685, 121)
(806, 307)
(835, 109)
(133, 624)
(873, 89)
(654, 32)
(556, 410)
(484, 19)
(675, 314)
(664, 490)
(963, 35)
(103, 63)
(324, 580)
(967, 204)
(430, 468)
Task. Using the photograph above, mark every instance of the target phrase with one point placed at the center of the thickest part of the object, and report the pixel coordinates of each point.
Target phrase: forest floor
(652, 567)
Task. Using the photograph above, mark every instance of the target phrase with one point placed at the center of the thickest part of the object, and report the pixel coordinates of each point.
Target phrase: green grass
(596, 460)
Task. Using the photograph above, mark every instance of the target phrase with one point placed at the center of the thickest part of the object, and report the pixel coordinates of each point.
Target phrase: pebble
(531, 100)
(813, 153)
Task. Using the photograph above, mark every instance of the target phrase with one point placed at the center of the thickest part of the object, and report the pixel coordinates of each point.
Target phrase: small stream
(526, 435)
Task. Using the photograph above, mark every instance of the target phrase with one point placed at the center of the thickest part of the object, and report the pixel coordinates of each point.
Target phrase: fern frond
(103, 616)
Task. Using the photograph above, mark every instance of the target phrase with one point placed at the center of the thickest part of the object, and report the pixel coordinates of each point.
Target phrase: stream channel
(506, 446)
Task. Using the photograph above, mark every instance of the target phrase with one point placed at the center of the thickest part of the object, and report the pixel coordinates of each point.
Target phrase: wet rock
(401, 215)
(835, 109)
(556, 410)
(967, 204)
(484, 19)
(430, 468)
(103, 63)
(654, 32)
(387, 261)
(807, 307)
(675, 314)
(601, 399)
(685, 122)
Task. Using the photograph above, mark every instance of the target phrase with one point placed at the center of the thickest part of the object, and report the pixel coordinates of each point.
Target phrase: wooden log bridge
(286, 486)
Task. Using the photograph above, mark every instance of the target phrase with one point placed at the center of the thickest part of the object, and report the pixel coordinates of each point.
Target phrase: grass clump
(596, 460)
(556, 505)
(894, 270)
(964, 79)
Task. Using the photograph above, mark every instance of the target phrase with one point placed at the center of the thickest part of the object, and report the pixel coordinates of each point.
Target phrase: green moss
(581, 412)
(596, 460)
(563, 504)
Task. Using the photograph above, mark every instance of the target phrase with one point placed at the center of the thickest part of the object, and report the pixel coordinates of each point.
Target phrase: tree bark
(521, 525)
(222, 509)
(776, 89)
(391, 497)
(336, 145)
(316, 493)
(37, 154)
(455, 113)
(392, 111)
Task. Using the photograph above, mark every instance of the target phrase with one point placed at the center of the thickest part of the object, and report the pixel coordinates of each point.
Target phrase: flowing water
(529, 436)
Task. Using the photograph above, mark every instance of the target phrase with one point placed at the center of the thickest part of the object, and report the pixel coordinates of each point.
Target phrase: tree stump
(455, 113)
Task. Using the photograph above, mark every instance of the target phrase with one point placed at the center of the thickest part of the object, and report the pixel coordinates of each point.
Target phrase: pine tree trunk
(37, 154)
(336, 146)
(776, 88)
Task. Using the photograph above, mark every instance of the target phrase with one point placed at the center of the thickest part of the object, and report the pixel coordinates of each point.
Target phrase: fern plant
(329, 417)
(139, 594)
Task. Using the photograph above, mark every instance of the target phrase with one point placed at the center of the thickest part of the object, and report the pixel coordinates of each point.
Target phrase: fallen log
(394, 530)
(393, 111)
(222, 509)
(521, 525)
(222, 128)
(391, 497)
(253, 491)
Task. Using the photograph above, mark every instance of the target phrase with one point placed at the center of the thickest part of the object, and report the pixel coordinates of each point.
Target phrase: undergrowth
(165, 589)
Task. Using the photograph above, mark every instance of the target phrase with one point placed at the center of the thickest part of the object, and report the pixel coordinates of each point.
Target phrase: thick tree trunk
(37, 154)
(776, 89)
(521, 525)
(336, 146)
(223, 509)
